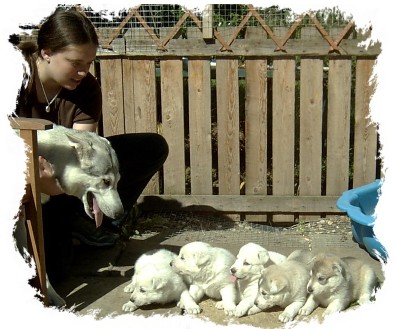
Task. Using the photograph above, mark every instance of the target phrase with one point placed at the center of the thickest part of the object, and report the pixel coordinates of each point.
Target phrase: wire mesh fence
(147, 28)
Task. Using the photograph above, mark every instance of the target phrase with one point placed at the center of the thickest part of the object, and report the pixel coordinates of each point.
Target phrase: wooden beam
(208, 30)
(241, 203)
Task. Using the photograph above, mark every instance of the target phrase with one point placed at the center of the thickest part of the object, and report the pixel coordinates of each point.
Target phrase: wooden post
(207, 22)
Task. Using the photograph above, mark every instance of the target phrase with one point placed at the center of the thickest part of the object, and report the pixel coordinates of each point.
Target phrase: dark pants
(140, 156)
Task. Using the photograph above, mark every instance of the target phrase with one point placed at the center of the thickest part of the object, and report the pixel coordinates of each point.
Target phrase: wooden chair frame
(31, 201)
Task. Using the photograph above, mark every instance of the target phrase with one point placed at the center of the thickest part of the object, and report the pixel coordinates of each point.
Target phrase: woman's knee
(161, 146)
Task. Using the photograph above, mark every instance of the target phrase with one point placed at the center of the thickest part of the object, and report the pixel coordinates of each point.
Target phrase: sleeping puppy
(206, 269)
(246, 271)
(284, 285)
(336, 282)
(154, 282)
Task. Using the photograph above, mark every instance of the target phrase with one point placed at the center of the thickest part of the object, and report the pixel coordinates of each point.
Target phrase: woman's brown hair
(64, 27)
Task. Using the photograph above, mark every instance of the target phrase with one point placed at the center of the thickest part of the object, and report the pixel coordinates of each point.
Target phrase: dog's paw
(305, 311)
(129, 307)
(129, 288)
(254, 310)
(240, 310)
(364, 299)
(285, 317)
(191, 310)
(229, 309)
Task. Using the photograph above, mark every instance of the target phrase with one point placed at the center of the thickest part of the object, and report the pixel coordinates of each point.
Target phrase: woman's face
(69, 66)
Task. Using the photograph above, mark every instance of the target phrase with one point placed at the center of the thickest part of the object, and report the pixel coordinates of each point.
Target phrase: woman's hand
(48, 183)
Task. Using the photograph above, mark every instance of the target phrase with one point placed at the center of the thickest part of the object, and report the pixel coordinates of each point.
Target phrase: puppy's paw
(364, 299)
(329, 311)
(229, 309)
(188, 304)
(129, 307)
(305, 311)
(240, 310)
(254, 310)
(129, 288)
(285, 317)
(190, 310)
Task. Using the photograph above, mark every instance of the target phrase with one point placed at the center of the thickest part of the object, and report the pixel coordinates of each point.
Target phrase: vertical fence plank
(140, 103)
(256, 130)
(338, 125)
(173, 124)
(129, 96)
(228, 126)
(365, 131)
(112, 93)
(200, 126)
(283, 130)
(140, 95)
(310, 140)
(208, 21)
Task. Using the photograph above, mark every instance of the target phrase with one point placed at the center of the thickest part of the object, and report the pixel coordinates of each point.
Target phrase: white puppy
(206, 269)
(246, 271)
(154, 282)
(336, 282)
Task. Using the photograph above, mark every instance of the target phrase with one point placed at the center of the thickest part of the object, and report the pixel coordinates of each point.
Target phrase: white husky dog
(207, 270)
(246, 271)
(154, 282)
(86, 166)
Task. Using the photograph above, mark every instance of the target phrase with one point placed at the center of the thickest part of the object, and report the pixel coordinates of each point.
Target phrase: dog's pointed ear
(311, 262)
(83, 149)
(278, 285)
(263, 256)
(338, 268)
(158, 283)
(202, 259)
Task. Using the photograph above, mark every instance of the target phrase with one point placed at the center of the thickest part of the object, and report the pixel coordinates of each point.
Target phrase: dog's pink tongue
(98, 214)
(232, 278)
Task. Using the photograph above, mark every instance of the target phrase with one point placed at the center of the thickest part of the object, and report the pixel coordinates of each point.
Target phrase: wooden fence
(272, 126)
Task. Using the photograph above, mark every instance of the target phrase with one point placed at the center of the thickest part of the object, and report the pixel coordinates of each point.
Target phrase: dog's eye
(264, 294)
(322, 279)
(246, 264)
(142, 290)
(106, 182)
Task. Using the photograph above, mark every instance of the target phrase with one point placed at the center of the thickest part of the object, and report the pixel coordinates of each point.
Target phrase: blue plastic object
(360, 203)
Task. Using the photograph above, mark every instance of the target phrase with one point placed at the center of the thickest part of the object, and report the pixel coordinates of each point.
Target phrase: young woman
(60, 88)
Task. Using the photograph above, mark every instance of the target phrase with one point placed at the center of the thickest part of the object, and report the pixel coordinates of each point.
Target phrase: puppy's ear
(202, 259)
(338, 268)
(311, 262)
(263, 256)
(278, 285)
(158, 283)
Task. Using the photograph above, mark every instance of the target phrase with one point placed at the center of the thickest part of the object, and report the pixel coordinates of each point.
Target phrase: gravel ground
(198, 224)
